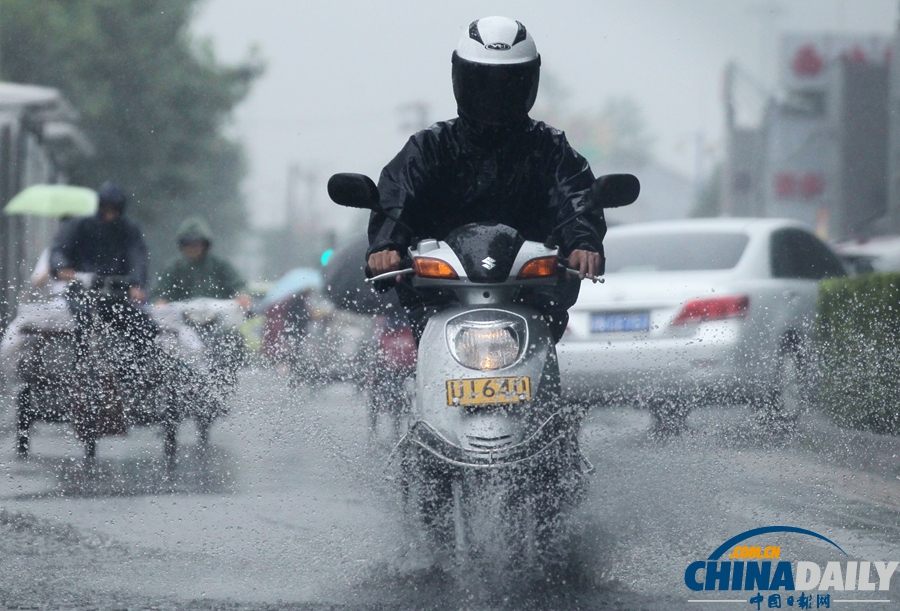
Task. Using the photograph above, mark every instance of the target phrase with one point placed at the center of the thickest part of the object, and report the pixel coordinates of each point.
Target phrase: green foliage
(859, 334)
(152, 100)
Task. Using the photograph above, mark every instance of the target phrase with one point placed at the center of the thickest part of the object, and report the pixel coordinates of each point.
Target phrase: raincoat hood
(194, 228)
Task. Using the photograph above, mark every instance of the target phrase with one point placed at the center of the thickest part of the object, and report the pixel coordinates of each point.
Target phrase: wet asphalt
(290, 508)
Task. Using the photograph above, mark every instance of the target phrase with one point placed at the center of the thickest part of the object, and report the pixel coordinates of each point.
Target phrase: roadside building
(820, 153)
(38, 141)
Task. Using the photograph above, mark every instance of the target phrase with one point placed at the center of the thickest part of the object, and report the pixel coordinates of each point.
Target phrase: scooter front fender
(483, 430)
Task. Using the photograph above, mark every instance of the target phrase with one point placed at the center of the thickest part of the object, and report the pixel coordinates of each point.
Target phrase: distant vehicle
(316, 342)
(712, 309)
(386, 362)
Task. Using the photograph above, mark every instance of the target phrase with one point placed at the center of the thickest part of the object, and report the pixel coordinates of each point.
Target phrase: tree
(152, 99)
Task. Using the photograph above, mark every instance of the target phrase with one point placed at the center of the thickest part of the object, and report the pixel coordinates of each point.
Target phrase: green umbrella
(54, 200)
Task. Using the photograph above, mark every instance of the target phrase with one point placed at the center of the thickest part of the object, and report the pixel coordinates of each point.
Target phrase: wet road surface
(290, 509)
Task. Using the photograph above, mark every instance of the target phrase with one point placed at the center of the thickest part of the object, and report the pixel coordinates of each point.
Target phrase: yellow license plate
(488, 391)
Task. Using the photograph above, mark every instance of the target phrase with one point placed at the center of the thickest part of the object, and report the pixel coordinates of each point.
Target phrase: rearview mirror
(354, 191)
(614, 191)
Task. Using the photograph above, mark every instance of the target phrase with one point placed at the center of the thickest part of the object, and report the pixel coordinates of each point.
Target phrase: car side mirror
(354, 191)
(614, 191)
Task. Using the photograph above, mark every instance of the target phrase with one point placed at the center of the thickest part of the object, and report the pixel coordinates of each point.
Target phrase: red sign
(812, 185)
(807, 61)
(807, 186)
(785, 185)
(855, 55)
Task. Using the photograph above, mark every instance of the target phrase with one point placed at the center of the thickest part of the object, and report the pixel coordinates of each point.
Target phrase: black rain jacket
(453, 173)
(91, 245)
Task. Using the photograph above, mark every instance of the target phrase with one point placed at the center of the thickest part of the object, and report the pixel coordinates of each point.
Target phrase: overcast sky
(338, 71)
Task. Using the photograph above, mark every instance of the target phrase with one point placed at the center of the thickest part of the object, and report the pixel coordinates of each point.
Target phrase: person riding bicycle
(198, 272)
(492, 163)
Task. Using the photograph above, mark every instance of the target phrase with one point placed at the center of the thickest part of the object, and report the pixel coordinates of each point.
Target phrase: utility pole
(302, 227)
(310, 218)
(300, 213)
(291, 220)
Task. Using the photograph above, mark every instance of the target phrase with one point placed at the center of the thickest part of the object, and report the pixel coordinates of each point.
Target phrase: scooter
(491, 452)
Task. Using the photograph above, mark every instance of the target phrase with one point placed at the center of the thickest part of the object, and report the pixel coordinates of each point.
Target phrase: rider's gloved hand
(586, 262)
(384, 261)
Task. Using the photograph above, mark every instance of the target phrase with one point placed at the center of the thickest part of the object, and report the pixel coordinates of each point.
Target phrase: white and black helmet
(496, 69)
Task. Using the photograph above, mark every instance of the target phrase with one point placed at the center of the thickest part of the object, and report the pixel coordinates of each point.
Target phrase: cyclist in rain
(198, 272)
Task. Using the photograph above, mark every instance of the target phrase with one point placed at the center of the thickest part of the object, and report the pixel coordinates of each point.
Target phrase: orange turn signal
(542, 267)
(428, 267)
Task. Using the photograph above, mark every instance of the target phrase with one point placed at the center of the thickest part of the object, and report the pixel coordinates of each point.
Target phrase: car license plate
(619, 322)
(488, 391)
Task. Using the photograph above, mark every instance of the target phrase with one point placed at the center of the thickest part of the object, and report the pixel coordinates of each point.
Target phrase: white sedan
(719, 309)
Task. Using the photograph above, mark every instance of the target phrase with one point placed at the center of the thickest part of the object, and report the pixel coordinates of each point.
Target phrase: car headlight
(486, 340)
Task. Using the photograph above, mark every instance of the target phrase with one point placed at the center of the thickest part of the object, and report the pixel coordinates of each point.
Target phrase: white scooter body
(451, 418)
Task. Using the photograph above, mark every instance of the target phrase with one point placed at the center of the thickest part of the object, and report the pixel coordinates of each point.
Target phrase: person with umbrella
(288, 313)
(63, 202)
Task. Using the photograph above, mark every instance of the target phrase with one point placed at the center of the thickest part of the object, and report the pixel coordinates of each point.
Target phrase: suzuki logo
(488, 263)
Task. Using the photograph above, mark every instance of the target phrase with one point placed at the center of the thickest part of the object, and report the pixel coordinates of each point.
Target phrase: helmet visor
(497, 94)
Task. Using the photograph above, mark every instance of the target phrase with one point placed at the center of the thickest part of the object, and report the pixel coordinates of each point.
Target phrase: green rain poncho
(208, 277)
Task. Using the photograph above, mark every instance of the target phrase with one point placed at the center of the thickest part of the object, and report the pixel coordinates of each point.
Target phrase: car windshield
(673, 252)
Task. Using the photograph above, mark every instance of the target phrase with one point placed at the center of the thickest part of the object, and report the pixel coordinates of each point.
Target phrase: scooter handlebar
(406, 267)
(564, 264)
(389, 275)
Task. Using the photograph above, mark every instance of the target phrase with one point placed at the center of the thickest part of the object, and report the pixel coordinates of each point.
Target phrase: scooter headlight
(486, 340)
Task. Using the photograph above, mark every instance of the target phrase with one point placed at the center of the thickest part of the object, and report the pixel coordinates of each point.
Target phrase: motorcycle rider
(198, 272)
(491, 163)
(107, 244)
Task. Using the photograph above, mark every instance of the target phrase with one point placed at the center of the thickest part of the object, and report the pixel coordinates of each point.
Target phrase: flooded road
(290, 509)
